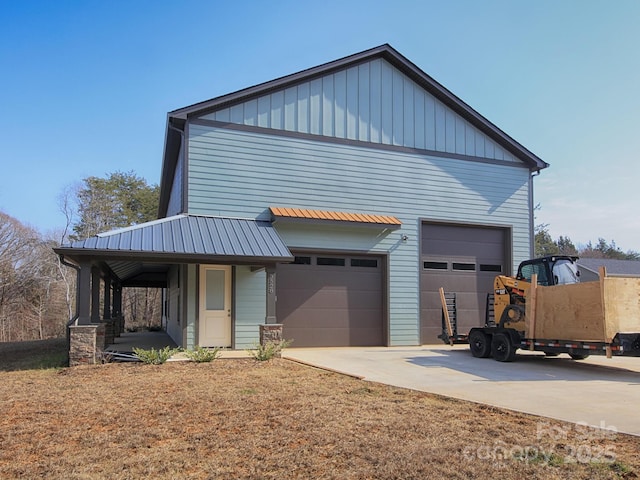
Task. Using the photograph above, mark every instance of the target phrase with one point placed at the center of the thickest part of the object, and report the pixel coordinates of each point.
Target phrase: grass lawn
(237, 418)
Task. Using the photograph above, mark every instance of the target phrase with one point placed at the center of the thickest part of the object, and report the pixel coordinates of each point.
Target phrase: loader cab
(551, 270)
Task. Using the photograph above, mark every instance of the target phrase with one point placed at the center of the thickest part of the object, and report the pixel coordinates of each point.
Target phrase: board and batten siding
(371, 102)
(240, 174)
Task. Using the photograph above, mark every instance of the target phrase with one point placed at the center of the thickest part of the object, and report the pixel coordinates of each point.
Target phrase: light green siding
(250, 305)
(240, 174)
(174, 326)
(175, 198)
(191, 306)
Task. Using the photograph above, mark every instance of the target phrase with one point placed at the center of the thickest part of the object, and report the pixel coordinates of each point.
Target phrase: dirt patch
(242, 419)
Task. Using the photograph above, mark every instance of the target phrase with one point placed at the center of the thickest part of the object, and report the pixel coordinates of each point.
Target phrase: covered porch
(127, 341)
(162, 254)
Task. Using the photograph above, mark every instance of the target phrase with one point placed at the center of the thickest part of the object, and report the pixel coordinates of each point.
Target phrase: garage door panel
(327, 298)
(335, 337)
(463, 260)
(330, 318)
(331, 305)
(449, 282)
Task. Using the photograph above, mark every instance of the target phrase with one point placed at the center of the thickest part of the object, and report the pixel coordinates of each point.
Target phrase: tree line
(37, 291)
(546, 245)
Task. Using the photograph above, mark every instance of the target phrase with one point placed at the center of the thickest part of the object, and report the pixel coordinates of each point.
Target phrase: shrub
(202, 355)
(153, 356)
(267, 351)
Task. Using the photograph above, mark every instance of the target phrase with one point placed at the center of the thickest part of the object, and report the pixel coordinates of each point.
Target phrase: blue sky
(85, 86)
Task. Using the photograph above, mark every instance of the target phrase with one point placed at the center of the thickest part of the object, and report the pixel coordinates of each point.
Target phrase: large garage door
(464, 260)
(327, 300)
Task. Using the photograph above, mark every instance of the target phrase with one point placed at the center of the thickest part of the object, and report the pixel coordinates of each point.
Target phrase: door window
(215, 290)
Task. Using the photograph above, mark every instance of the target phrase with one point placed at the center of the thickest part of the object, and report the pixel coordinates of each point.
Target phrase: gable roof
(177, 118)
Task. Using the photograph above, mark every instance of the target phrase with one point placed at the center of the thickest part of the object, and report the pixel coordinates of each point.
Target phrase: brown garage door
(327, 300)
(464, 260)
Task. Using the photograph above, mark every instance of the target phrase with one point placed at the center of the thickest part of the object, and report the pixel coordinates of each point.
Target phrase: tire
(578, 356)
(511, 314)
(479, 344)
(502, 349)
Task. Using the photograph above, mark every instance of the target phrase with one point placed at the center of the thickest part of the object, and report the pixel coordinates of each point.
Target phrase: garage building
(334, 201)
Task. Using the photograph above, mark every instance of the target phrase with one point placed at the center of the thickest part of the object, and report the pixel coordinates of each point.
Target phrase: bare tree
(31, 294)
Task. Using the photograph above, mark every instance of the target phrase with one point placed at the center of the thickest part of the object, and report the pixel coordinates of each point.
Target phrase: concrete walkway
(597, 391)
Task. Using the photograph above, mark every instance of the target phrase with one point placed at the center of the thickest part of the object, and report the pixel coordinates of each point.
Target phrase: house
(590, 268)
(334, 202)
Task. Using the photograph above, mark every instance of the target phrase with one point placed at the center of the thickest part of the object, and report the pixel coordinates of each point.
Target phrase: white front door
(215, 306)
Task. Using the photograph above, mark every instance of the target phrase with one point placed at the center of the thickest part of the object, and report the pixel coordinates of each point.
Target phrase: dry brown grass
(243, 419)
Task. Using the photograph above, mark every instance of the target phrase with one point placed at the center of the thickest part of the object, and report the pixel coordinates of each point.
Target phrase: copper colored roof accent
(285, 212)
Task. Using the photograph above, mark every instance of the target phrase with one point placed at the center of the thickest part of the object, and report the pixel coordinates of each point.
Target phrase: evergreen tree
(119, 200)
(566, 246)
(543, 243)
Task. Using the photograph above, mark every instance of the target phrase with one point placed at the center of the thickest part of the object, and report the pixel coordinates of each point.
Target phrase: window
(436, 265)
(537, 268)
(364, 262)
(302, 260)
(336, 262)
(487, 267)
(469, 267)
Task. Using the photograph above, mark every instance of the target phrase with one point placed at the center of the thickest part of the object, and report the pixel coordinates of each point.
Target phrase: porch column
(84, 293)
(117, 309)
(271, 331)
(107, 319)
(95, 295)
(107, 298)
(87, 339)
(271, 294)
(117, 300)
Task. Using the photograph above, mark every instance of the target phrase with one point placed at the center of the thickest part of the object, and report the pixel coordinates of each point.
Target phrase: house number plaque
(271, 283)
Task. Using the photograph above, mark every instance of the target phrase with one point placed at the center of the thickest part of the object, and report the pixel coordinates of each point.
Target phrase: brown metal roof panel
(300, 213)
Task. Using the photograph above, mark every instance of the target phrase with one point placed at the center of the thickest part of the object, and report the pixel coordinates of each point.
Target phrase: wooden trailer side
(621, 297)
(566, 312)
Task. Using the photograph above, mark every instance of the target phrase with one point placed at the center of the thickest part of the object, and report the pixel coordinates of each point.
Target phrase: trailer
(579, 319)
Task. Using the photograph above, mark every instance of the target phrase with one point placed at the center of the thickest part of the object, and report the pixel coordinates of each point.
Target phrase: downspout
(531, 209)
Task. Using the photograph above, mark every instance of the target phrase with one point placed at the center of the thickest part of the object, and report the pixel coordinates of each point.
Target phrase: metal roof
(365, 218)
(187, 239)
(614, 267)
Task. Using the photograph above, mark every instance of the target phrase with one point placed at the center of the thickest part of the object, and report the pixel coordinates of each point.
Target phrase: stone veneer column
(86, 342)
(271, 333)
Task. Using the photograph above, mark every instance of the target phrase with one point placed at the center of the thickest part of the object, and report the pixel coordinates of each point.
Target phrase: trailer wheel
(479, 344)
(502, 349)
(578, 356)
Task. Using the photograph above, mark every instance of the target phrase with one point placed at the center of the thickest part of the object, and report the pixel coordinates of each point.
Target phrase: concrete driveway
(597, 391)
